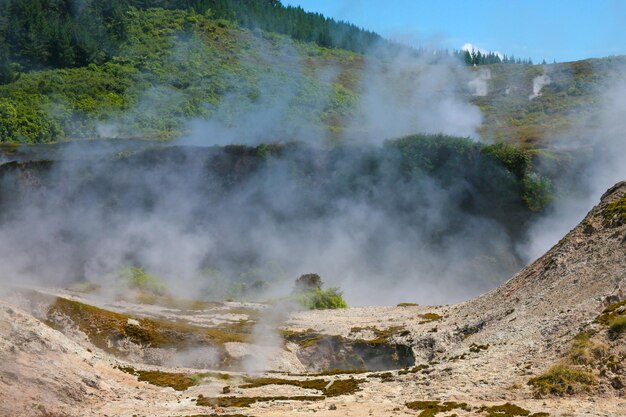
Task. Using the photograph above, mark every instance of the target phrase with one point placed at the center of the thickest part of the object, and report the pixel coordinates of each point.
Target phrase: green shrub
(139, 279)
(538, 191)
(561, 380)
(319, 299)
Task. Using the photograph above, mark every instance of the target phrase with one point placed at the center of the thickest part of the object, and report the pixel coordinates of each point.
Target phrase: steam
(598, 143)
(538, 83)
(203, 217)
(479, 85)
(406, 93)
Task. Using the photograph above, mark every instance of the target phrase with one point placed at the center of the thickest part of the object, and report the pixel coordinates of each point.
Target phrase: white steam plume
(539, 82)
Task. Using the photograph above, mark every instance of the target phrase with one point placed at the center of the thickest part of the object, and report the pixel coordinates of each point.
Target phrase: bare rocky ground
(60, 357)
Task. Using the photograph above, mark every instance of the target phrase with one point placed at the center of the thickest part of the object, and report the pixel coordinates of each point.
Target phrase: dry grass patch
(561, 380)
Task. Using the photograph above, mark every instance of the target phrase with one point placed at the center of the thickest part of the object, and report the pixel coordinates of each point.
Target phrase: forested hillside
(122, 68)
(62, 33)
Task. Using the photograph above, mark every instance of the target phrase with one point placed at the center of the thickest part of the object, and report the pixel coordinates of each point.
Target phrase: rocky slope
(547, 341)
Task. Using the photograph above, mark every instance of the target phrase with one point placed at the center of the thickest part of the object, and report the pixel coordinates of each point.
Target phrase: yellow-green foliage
(319, 299)
(615, 213)
(139, 279)
(561, 380)
(432, 408)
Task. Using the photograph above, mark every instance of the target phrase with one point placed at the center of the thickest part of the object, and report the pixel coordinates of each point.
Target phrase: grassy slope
(573, 93)
(178, 65)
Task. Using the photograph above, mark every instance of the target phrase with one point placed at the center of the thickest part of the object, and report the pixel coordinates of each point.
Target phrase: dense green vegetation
(72, 33)
(124, 69)
(174, 66)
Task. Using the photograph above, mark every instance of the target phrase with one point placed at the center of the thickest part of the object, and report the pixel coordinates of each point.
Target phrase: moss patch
(107, 330)
(384, 376)
(561, 380)
(413, 370)
(247, 401)
(303, 339)
(103, 325)
(432, 408)
(381, 335)
(334, 389)
(178, 381)
(429, 317)
(505, 410)
(615, 213)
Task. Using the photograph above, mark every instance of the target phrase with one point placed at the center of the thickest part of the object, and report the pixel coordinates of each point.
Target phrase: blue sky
(564, 30)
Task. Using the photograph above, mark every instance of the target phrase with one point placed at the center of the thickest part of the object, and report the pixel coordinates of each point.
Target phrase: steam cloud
(184, 213)
(203, 217)
(598, 143)
(480, 84)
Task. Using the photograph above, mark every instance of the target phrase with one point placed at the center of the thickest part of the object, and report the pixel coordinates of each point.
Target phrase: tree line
(38, 34)
(475, 57)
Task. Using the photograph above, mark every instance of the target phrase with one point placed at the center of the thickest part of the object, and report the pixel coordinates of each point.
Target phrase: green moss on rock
(432, 408)
(615, 213)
